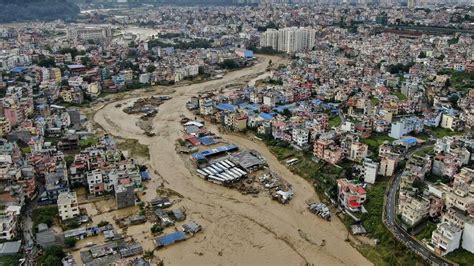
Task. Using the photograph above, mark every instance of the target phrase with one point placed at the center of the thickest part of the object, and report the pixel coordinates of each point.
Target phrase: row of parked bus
(222, 172)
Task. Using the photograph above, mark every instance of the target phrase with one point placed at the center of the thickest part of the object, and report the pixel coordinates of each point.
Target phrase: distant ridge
(27, 10)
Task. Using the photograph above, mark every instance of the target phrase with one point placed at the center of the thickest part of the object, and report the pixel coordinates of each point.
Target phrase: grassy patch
(425, 151)
(134, 148)
(461, 256)
(25, 150)
(88, 142)
(376, 140)
(427, 231)
(440, 132)
(461, 81)
(334, 121)
(374, 101)
(9, 260)
(399, 95)
(388, 251)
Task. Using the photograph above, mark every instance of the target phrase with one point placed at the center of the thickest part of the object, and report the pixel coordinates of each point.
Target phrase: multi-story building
(67, 205)
(300, 136)
(326, 150)
(413, 209)
(8, 223)
(387, 165)
(405, 126)
(124, 196)
(370, 170)
(358, 151)
(5, 126)
(468, 236)
(95, 182)
(89, 33)
(351, 196)
(289, 40)
(445, 238)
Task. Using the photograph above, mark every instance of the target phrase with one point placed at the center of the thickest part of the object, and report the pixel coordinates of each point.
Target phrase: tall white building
(468, 236)
(446, 238)
(370, 170)
(67, 205)
(289, 40)
(405, 126)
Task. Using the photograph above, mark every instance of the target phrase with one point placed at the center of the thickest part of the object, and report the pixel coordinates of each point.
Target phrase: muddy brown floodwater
(237, 229)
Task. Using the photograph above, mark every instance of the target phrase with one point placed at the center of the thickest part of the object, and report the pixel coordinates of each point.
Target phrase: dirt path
(238, 229)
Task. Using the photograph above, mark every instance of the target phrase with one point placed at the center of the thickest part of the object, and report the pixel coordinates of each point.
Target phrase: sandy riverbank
(238, 229)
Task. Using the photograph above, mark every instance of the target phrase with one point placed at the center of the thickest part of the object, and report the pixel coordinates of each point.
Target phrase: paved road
(401, 235)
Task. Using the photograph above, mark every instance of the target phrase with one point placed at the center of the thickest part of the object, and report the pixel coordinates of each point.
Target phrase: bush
(70, 242)
(156, 229)
(102, 223)
(44, 216)
(52, 256)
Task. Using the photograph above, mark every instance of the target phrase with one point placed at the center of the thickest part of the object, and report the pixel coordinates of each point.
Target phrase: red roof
(354, 204)
(193, 140)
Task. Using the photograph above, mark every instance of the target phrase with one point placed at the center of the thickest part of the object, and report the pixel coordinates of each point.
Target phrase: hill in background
(25, 10)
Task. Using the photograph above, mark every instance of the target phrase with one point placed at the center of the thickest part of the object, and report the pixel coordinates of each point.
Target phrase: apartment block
(67, 205)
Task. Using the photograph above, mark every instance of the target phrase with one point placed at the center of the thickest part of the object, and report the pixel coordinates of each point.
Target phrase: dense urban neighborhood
(246, 132)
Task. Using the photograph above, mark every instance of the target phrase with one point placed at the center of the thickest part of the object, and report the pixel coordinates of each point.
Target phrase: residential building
(387, 165)
(445, 238)
(124, 196)
(414, 209)
(95, 182)
(68, 207)
(370, 170)
(351, 196)
(358, 151)
(289, 40)
(468, 236)
(406, 126)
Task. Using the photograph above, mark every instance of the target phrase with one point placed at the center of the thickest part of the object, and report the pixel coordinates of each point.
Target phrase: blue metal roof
(409, 140)
(226, 107)
(204, 154)
(266, 116)
(171, 238)
(18, 70)
(207, 140)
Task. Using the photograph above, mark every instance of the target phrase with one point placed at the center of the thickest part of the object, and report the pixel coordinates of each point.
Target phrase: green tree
(70, 242)
(150, 68)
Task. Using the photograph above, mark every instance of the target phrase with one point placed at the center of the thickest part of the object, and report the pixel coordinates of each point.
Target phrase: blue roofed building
(226, 107)
(170, 239)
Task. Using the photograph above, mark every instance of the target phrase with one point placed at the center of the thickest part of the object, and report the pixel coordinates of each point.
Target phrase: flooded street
(237, 229)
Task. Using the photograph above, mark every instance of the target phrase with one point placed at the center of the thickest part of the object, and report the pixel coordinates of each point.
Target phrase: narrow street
(400, 234)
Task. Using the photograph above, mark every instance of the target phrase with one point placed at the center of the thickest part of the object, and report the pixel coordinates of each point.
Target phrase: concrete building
(300, 136)
(387, 165)
(67, 205)
(358, 151)
(370, 170)
(95, 182)
(8, 223)
(351, 196)
(89, 33)
(468, 236)
(405, 126)
(445, 238)
(413, 210)
(289, 40)
(124, 196)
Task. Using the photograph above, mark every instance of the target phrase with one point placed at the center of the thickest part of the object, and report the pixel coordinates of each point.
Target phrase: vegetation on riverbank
(388, 251)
